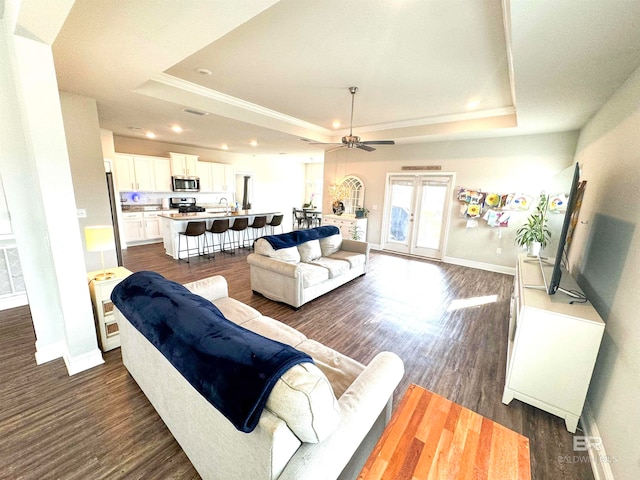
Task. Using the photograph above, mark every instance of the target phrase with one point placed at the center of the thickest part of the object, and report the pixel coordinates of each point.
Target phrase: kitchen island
(172, 224)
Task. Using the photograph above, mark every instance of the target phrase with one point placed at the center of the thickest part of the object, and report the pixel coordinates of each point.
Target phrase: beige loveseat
(337, 405)
(299, 273)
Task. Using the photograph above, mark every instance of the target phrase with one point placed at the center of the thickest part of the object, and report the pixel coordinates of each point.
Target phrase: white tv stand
(553, 346)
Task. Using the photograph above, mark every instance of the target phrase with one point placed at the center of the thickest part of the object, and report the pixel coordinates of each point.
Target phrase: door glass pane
(401, 199)
(431, 214)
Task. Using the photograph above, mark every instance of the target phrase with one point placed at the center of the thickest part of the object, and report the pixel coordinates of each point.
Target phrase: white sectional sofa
(307, 264)
(321, 420)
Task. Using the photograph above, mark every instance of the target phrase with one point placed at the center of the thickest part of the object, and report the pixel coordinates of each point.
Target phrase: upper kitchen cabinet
(224, 177)
(162, 171)
(183, 164)
(203, 171)
(215, 177)
(142, 173)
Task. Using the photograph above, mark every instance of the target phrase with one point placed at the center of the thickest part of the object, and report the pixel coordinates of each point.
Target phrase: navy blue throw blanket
(233, 368)
(292, 239)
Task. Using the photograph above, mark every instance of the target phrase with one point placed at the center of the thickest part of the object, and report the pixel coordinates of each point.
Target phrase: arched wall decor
(352, 189)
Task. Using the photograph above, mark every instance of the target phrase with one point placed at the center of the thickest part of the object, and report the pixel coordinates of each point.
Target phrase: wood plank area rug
(430, 437)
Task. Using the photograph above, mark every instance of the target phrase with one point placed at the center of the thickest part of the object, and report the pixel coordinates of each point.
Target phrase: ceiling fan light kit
(351, 140)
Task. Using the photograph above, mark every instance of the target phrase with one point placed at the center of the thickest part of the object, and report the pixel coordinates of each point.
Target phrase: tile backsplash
(151, 198)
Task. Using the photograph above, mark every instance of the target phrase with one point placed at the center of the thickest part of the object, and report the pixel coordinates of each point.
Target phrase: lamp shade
(99, 238)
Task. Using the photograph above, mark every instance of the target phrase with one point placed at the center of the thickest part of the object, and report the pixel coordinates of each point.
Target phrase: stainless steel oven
(185, 184)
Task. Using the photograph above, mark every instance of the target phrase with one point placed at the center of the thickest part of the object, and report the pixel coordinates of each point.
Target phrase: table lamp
(99, 238)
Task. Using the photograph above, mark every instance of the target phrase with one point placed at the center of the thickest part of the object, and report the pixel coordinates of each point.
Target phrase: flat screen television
(553, 285)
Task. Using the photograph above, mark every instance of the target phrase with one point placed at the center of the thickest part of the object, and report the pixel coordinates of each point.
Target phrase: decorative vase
(534, 249)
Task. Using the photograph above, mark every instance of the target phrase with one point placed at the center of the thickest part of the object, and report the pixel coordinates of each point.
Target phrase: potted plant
(355, 232)
(535, 234)
(361, 212)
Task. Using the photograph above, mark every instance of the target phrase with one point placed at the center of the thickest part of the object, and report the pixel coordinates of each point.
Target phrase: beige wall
(605, 257)
(525, 164)
(80, 116)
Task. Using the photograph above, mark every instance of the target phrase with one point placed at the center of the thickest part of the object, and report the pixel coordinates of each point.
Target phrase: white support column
(34, 166)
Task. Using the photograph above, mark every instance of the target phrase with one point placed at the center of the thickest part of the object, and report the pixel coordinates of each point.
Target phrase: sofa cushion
(335, 267)
(236, 311)
(275, 330)
(309, 250)
(262, 247)
(330, 245)
(354, 259)
(312, 274)
(304, 399)
(337, 367)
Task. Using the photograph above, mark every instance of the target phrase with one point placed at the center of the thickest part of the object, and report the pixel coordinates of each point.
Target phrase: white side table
(109, 335)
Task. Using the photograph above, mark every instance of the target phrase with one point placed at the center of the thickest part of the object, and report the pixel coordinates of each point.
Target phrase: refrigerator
(114, 202)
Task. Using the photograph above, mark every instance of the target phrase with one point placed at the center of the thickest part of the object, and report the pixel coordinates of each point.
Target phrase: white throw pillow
(262, 247)
(330, 245)
(304, 399)
(309, 250)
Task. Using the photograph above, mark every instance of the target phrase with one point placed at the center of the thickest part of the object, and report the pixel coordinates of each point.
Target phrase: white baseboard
(600, 463)
(480, 265)
(13, 301)
(47, 353)
(463, 263)
(83, 362)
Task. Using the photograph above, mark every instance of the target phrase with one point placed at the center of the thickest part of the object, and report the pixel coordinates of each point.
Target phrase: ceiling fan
(353, 141)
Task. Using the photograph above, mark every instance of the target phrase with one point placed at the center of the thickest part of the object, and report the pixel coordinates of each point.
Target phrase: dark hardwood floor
(98, 424)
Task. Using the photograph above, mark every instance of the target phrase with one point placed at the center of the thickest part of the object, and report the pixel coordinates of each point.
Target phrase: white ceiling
(280, 71)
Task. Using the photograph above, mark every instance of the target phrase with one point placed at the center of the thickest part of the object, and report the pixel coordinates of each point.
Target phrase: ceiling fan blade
(367, 148)
(334, 149)
(379, 142)
(323, 143)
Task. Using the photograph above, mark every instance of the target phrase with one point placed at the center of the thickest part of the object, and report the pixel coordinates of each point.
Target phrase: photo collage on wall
(494, 208)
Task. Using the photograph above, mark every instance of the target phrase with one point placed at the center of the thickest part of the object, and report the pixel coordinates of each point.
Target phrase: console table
(432, 437)
(553, 345)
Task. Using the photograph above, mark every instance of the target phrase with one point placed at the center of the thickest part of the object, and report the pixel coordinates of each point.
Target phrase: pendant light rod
(353, 91)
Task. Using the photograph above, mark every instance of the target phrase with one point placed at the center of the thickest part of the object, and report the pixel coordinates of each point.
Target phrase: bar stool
(240, 227)
(219, 227)
(258, 224)
(276, 221)
(194, 229)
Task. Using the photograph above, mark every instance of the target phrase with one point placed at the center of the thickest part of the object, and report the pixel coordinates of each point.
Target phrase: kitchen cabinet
(162, 174)
(203, 171)
(347, 224)
(151, 226)
(142, 173)
(216, 177)
(223, 177)
(552, 345)
(141, 227)
(133, 226)
(184, 164)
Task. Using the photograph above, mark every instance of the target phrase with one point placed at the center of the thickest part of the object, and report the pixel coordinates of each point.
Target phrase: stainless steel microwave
(185, 184)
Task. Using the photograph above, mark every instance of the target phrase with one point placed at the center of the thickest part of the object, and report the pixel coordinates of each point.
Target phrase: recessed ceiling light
(336, 123)
(253, 143)
(176, 128)
(150, 135)
(204, 71)
(224, 146)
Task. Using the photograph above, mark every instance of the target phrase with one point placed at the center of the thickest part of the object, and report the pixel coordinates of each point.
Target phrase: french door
(417, 214)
